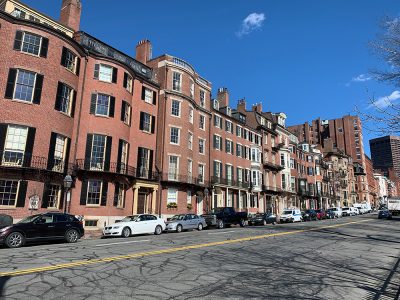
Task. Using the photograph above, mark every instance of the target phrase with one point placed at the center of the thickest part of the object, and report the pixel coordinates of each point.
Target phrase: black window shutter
(93, 101)
(139, 159)
(57, 105)
(119, 157)
(64, 57)
(44, 48)
(67, 151)
(220, 167)
(38, 89)
(150, 164)
(3, 132)
(104, 194)
(117, 187)
(125, 84)
(226, 146)
(45, 197)
(88, 151)
(108, 154)
(50, 156)
(84, 192)
(130, 114)
(23, 186)
(12, 75)
(61, 202)
(215, 142)
(18, 40)
(215, 169)
(73, 104)
(115, 75)
(78, 66)
(153, 123)
(143, 92)
(123, 109)
(141, 124)
(96, 71)
(30, 140)
(112, 107)
(154, 98)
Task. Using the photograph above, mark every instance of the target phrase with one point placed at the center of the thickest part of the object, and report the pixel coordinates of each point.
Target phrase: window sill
(178, 117)
(147, 132)
(174, 144)
(70, 70)
(65, 114)
(52, 208)
(8, 207)
(108, 82)
(102, 116)
(22, 101)
(31, 54)
(93, 205)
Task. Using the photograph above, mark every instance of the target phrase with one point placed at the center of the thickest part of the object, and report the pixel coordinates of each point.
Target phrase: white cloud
(251, 22)
(361, 78)
(385, 101)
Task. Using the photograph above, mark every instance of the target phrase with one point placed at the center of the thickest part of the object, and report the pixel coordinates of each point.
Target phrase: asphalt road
(350, 258)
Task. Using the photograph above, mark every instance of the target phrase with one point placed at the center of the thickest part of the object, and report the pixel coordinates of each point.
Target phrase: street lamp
(67, 185)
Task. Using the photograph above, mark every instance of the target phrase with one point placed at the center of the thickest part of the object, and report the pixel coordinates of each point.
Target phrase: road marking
(117, 243)
(222, 232)
(165, 251)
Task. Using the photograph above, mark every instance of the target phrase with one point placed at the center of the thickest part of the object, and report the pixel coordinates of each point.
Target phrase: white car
(291, 215)
(136, 224)
(337, 211)
(354, 211)
(361, 207)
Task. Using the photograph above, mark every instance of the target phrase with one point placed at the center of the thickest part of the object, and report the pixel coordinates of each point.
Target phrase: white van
(353, 211)
(291, 215)
(337, 211)
(361, 207)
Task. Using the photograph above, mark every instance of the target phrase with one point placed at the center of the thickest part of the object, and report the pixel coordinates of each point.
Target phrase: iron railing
(229, 182)
(273, 166)
(268, 188)
(172, 177)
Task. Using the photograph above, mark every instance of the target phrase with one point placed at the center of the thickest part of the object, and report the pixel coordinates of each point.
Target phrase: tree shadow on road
(3, 281)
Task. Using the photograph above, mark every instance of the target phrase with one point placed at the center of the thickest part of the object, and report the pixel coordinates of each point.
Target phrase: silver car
(185, 222)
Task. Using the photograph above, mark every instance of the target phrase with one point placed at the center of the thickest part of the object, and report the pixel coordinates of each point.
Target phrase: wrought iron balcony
(278, 146)
(272, 166)
(172, 177)
(267, 188)
(230, 182)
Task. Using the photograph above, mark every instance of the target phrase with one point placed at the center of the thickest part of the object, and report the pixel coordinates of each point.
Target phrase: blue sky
(306, 58)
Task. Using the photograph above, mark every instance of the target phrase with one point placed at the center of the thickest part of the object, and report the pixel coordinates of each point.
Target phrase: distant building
(385, 153)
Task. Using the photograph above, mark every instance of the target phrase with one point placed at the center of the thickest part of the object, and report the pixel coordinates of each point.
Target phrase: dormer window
(262, 121)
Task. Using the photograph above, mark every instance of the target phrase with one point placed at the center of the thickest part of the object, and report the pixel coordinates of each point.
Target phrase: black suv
(43, 227)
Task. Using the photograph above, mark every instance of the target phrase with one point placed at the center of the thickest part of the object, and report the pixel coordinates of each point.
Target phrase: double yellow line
(164, 251)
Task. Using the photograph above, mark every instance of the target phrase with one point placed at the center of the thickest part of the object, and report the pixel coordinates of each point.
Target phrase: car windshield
(29, 219)
(130, 218)
(287, 212)
(177, 217)
(345, 208)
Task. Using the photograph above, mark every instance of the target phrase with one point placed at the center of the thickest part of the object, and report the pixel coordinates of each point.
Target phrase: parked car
(321, 214)
(136, 224)
(182, 222)
(346, 211)
(42, 227)
(222, 216)
(385, 214)
(337, 211)
(309, 215)
(354, 211)
(362, 208)
(262, 219)
(291, 215)
(330, 214)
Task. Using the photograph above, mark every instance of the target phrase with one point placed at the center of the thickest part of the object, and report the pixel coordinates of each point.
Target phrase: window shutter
(108, 154)
(123, 110)
(139, 161)
(115, 75)
(226, 146)
(125, 83)
(61, 202)
(64, 57)
(104, 194)
(23, 186)
(44, 47)
(18, 40)
(150, 164)
(57, 105)
(52, 147)
(153, 124)
(45, 197)
(88, 151)
(96, 71)
(3, 132)
(84, 188)
(130, 115)
(30, 140)
(119, 157)
(215, 169)
(73, 103)
(141, 124)
(67, 151)
(143, 92)
(38, 89)
(93, 104)
(112, 107)
(220, 167)
(78, 66)
(12, 75)
(154, 98)
(117, 187)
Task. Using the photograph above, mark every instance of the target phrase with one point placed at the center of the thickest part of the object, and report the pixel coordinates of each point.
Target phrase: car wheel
(200, 227)
(264, 222)
(126, 232)
(179, 228)
(242, 223)
(72, 236)
(15, 240)
(220, 224)
(158, 230)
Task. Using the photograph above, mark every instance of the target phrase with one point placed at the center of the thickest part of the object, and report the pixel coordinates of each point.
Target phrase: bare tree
(385, 117)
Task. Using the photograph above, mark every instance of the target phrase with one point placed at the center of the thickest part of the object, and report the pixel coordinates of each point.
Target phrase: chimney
(223, 97)
(241, 107)
(257, 107)
(70, 15)
(144, 51)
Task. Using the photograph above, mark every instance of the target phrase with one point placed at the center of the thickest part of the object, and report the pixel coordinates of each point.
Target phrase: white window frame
(201, 140)
(148, 95)
(177, 88)
(201, 167)
(16, 193)
(172, 196)
(202, 98)
(179, 135)
(190, 140)
(179, 108)
(201, 116)
(108, 107)
(100, 194)
(191, 115)
(24, 42)
(20, 150)
(33, 86)
(173, 175)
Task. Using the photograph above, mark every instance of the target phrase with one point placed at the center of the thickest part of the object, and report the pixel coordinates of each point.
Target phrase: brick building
(385, 153)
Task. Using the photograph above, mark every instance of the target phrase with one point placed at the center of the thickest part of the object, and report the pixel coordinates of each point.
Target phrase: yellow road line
(163, 251)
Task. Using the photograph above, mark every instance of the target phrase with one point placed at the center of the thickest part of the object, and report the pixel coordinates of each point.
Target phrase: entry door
(199, 202)
(142, 199)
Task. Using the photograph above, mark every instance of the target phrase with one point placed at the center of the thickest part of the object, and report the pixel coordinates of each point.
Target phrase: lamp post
(206, 193)
(67, 185)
